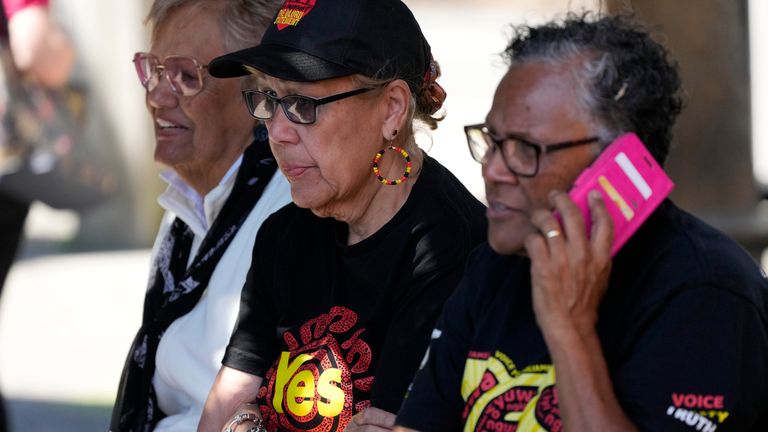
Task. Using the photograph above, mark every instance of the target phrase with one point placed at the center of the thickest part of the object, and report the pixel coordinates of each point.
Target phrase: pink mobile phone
(631, 182)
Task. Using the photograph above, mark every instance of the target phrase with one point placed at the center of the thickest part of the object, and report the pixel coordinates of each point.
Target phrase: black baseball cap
(312, 40)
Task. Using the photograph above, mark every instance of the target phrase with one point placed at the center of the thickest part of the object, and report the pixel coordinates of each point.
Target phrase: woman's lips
(294, 171)
(166, 129)
(497, 210)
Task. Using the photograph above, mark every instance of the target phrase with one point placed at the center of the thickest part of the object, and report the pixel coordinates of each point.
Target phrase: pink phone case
(632, 184)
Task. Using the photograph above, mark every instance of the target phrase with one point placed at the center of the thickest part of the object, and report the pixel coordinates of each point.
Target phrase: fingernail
(595, 195)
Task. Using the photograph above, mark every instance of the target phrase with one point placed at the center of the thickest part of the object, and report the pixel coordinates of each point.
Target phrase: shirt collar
(198, 212)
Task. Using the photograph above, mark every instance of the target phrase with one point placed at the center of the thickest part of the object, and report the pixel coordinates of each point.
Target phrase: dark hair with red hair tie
(435, 91)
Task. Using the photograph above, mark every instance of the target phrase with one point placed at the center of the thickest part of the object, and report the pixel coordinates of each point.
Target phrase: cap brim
(278, 61)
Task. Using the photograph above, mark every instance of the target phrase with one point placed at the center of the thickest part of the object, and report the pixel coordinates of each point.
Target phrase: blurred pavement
(66, 322)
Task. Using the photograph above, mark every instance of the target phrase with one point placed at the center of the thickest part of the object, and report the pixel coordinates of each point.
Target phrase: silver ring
(552, 233)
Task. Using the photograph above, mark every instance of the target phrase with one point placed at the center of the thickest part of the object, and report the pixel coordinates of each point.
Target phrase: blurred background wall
(73, 301)
(106, 35)
(712, 156)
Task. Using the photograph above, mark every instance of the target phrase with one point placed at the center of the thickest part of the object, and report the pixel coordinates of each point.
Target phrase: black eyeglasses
(299, 109)
(183, 73)
(520, 156)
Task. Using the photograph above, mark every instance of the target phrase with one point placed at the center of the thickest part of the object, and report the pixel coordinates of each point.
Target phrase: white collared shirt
(190, 352)
(194, 210)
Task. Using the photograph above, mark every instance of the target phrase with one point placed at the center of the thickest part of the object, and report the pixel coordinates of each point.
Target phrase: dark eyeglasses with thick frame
(184, 73)
(521, 157)
(299, 109)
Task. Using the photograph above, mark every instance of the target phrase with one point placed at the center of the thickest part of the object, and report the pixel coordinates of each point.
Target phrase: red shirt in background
(13, 6)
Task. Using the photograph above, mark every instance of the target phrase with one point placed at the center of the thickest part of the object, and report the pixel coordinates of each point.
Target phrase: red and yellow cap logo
(292, 12)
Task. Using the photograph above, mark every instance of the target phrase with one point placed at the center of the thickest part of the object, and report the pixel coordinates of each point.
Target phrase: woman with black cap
(346, 283)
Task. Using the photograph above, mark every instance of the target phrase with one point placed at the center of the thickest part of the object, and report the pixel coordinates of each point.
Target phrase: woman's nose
(496, 170)
(281, 129)
(162, 96)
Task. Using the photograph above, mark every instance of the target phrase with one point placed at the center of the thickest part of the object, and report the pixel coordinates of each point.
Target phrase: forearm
(231, 389)
(40, 47)
(584, 389)
(569, 277)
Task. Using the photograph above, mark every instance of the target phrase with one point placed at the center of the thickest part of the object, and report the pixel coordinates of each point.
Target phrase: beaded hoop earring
(408, 165)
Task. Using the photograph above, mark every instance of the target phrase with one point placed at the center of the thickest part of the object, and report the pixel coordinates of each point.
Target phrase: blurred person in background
(222, 183)
(42, 52)
(346, 282)
(546, 331)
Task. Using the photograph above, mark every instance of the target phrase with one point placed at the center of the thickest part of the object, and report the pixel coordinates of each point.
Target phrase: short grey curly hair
(243, 21)
(633, 84)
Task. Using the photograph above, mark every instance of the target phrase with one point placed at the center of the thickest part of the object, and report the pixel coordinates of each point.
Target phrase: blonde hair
(242, 21)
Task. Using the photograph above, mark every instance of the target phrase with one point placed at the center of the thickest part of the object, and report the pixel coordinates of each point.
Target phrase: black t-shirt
(683, 326)
(333, 328)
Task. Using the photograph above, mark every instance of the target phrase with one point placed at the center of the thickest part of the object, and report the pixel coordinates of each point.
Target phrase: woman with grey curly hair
(222, 183)
(548, 331)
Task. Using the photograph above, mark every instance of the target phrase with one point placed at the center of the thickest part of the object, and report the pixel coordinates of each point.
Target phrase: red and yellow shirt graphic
(702, 412)
(500, 398)
(323, 379)
(292, 12)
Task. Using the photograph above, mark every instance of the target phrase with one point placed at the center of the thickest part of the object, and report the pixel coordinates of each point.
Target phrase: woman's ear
(397, 95)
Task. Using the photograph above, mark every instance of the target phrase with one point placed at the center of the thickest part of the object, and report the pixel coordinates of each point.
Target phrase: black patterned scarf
(174, 289)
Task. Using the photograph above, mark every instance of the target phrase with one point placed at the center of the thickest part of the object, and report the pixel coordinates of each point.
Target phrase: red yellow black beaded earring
(402, 153)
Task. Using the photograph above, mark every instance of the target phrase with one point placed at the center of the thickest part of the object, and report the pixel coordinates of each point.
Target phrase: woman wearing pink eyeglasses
(222, 183)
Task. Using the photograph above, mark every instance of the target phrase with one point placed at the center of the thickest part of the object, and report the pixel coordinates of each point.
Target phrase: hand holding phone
(631, 182)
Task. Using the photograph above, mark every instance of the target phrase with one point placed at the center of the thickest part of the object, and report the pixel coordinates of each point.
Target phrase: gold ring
(552, 233)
